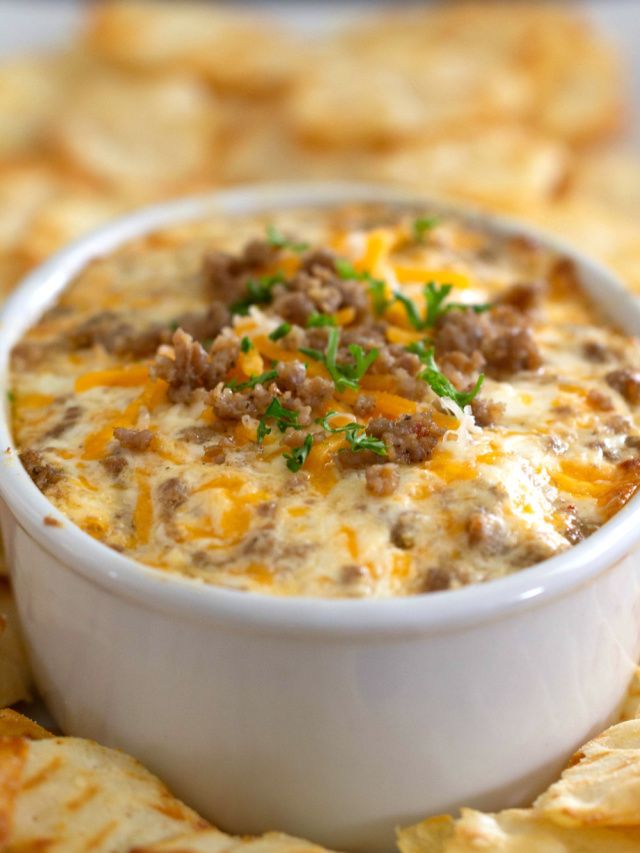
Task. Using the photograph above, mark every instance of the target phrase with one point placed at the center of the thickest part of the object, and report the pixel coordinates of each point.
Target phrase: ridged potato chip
(601, 787)
(501, 167)
(231, 49)
(512, 831)
(213, 841)
(68, 795)
(31, 90)
(151, 136)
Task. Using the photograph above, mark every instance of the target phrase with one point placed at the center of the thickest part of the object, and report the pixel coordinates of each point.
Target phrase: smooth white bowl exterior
(337, 720)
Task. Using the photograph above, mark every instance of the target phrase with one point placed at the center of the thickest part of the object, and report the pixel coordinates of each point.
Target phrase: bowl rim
(173, 594)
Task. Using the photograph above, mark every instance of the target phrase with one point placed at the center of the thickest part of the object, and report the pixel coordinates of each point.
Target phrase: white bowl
(336, 720)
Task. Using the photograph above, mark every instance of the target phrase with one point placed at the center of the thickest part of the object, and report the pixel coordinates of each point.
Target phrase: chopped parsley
(259, 292)
(261, 379)
(435, 296)
(377, 287)
(378, 293)
(283, 417)
(344, 375)
(11, 397)
(439, 383)
(355, 435)
(245, 344)
(278, 240)
(422, 225)
(316, 321)
(280, 332)
(298, 456)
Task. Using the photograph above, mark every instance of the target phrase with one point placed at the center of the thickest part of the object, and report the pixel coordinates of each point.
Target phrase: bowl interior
(128, 578)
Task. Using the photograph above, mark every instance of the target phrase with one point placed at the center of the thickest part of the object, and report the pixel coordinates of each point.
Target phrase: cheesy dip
(360, 402)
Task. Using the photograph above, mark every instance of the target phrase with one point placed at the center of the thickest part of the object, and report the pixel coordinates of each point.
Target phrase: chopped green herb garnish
(377, 287)
(346, 269)
(245, 344)
(298, 456)
(280, 332)
(283, 417)
(278, 240)
(378, 293)
(259, 292)
(11, 397)
(355, 435)
(174, 326)
(434, 297)
(317, 321)
(261, 379)
(344, 375)
(439, 383)
(423, 225)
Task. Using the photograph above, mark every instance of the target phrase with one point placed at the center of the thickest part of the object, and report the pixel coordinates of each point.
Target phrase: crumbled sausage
(408, 439)
(599, 401)
(626, 383)
(435, 580)
(192, 367)
(595, 351)
(486, 412)
(404, 530)
(501, 336)
(382, 480)
(311, 391)
(486, 532)
(42, 474)
(137, 440)
(364, 405)
(69, 420)
(114, 464)
(225, 275)
(198, 434)
(172, 493)
(523, 297)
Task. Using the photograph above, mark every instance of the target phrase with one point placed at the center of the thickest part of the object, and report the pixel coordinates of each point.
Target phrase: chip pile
(520, 113)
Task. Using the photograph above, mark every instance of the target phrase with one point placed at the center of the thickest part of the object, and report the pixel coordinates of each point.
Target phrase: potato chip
(148, 136)
(13, 724)
(610, 178)
(503, 167)
(66, 795)
(30, 93)
(512, 831)
(601, 787)
(67, 216)
(233, 50)
(15, 674)
(24, 188)
(213, 841)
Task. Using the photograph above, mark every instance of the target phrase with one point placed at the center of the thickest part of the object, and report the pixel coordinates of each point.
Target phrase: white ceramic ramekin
(332, 719)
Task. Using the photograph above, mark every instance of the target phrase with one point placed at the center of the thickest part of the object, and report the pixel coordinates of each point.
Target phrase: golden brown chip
(31, 90)
(631, 706)
(506, 168)
(24, 188)
(15, 674)
(231, 49)
(67, 216)
(13, 724)
(213, 841)
(602, 785)
(512, 831)
(611, 179)
(73, 795)
(430, 836)
(148, 136)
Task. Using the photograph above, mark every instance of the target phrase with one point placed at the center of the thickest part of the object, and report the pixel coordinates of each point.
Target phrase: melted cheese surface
(556, 464)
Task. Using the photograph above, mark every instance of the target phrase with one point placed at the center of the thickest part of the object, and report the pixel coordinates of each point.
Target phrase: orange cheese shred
(122, 377)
